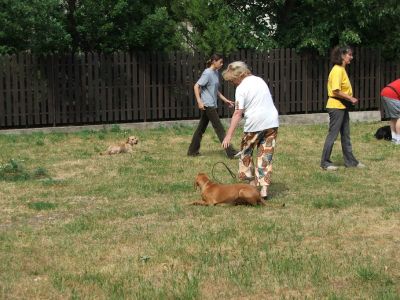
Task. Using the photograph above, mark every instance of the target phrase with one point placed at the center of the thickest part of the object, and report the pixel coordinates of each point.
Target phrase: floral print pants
(265, 141)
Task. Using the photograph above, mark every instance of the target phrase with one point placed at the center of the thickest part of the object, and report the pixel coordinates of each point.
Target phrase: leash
(229, 170)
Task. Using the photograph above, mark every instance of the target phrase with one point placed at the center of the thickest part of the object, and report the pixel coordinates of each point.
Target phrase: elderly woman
(340, 98)
(253, 100)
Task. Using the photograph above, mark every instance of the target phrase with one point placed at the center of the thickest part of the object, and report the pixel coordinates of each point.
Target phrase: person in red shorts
(391, 104)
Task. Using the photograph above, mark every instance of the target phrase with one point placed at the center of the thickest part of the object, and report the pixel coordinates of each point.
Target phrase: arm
(227, 101)
(340, 94)
(236, 118)
(200, 103)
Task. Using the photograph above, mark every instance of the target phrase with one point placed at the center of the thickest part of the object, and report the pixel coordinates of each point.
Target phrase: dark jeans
(339, 121)
(210, 114)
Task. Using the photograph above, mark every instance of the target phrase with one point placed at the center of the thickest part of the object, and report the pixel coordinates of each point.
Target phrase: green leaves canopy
(208, 26)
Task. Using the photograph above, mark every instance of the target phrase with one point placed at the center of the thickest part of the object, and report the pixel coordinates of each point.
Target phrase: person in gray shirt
(207, 91)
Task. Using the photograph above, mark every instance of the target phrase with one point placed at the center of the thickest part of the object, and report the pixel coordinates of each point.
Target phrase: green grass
(77, 225)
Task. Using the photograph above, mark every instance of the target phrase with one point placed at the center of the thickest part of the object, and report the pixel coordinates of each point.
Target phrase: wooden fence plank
(3, 74)
(191, 82)
(135, 89)
(35, 84)
(141, 84)
(109, 84)
(103, 88)
(177, 84)
(14, 90)
(128, 86)
(166, 86)
(89, 91)
(57, 87)
(115, 100)
(23, 88)
(153, 86)
(8, 94)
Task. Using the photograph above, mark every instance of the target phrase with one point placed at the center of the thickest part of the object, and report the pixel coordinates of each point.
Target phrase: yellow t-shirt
(338, 80)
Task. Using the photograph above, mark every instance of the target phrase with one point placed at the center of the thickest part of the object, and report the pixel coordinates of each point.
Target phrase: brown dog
(123, 147)
(213, 193)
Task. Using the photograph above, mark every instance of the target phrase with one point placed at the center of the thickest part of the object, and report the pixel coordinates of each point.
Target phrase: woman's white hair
(236, 70)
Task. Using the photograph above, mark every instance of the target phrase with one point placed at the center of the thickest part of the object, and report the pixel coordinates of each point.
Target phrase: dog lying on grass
(384, 133)
(123, 147)
(214, 193)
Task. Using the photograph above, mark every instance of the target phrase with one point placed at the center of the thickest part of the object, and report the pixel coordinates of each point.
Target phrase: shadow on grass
(277, 190)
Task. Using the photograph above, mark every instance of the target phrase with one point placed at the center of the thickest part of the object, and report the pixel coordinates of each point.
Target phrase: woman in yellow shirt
(340, 98)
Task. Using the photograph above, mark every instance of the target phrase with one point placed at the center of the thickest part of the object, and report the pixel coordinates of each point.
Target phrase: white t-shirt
(253, 96)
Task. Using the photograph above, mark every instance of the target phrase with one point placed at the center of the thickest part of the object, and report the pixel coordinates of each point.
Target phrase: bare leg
(396, 123)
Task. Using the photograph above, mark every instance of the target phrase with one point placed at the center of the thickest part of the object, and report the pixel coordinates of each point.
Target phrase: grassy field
(77, 225)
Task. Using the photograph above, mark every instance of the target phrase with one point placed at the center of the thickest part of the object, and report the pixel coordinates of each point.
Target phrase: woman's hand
(201, 105)
(227, 141)
(353, 100)
(230, 103)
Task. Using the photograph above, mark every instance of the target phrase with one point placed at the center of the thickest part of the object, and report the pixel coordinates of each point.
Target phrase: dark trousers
(339, 121)
(206, 116)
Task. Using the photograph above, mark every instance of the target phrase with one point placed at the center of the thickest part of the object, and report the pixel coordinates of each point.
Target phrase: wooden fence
(96, 88)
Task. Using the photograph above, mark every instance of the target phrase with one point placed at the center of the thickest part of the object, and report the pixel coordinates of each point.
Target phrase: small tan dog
(123, 147)
(213, 193)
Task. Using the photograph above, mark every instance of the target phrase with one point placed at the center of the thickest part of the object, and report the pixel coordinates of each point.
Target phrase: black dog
(384, 133)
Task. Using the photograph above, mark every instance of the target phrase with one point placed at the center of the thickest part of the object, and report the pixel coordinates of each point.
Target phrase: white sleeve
(239, 98)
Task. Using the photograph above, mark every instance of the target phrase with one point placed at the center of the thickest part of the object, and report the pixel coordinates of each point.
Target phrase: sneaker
(360, 165)
(234, 155)
(396, 142)
(330, 168)
(238, 154)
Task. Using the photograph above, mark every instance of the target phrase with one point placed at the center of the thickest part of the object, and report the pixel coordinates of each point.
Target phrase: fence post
(379, 82)
(305, 85)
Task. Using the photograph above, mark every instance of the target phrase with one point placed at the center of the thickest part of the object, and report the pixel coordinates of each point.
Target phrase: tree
(208, 26)
(318, 25)
(109, 25)
(37, 26)
(215, 26)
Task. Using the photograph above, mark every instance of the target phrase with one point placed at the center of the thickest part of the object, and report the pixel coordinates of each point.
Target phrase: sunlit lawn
(74, 224)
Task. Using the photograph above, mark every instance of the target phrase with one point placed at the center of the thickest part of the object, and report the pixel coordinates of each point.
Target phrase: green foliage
(124, 25)
(13, 170)
(40, 172)
(205, 28)
(44, 26)
(41, 205)
(37, 26)
(318, 25)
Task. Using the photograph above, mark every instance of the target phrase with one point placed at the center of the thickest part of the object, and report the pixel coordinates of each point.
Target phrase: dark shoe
(235, 154)
(194, 154)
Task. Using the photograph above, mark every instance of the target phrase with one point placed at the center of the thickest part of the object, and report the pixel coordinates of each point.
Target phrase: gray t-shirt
(209, 83)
